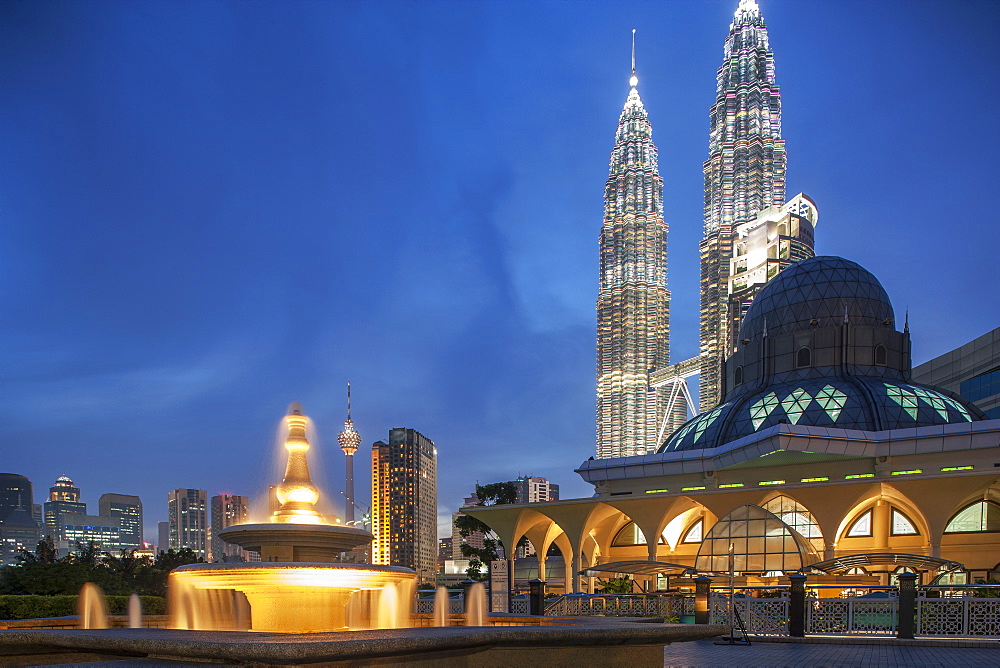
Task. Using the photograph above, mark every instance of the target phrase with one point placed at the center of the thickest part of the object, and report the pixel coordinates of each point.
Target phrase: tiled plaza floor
(704, 653)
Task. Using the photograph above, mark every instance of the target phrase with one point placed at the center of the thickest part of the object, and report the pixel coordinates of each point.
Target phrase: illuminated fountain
(298, 586)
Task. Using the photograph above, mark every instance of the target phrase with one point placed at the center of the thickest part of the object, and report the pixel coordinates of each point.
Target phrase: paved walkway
(704, 653)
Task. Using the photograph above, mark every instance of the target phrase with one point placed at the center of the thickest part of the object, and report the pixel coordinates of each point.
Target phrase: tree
(494, 494)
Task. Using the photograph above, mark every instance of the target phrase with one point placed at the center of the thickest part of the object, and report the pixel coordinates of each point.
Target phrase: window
(803, 358)
(880, 355)
(693, 534)
(901, 525)
(738, 376)
(862, 526)
(798, 517)
(630, 534)
(981, 516)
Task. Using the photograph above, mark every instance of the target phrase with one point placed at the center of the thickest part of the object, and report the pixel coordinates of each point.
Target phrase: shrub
(31, 606)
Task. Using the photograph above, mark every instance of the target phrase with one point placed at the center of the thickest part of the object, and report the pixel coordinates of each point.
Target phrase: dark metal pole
(536, 597)
(907, 605)
(702, 585)
(797, 606)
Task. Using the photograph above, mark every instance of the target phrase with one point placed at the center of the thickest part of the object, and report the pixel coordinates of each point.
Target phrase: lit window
(901, 524)
(862, 526)
(981, 516)
(694, 534)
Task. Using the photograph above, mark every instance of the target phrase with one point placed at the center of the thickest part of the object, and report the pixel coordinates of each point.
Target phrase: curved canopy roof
(638, 568)
(918, 562)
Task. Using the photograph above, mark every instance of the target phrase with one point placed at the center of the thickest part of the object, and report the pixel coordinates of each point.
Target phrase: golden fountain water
(298, 586)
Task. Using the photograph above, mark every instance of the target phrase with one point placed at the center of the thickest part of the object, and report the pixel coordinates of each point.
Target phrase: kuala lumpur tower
(349, 440)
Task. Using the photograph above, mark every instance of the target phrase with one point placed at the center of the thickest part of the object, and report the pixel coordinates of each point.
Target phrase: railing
(456, 605)
(622, 605)
(762, 616)
(963, 615)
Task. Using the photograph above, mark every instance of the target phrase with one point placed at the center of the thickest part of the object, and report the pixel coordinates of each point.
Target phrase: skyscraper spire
(349, 440)
(633, 306)
(744, 174)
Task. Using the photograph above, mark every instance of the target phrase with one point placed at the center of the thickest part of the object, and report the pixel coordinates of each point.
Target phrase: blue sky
(211, 209)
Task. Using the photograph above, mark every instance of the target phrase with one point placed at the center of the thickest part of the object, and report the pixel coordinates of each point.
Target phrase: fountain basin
(282, 597)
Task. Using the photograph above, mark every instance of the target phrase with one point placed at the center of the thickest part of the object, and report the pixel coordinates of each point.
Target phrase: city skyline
(210, 214)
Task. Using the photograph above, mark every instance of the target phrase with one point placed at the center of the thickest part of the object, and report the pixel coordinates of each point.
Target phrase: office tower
(15, 492)
(779, 237)
(349, 440)
(18, 528)
(633, 306)
(187, 513)
(127, 509)
(79, 530)
(227, 510)
(971, 371)
(404, 502)
(744, 174)
(163, 536)
(531, 489)
(64, 498)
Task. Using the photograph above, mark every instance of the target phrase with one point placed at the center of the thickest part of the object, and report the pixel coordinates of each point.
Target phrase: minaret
(744, 174)
(633, 306)
(349, 440)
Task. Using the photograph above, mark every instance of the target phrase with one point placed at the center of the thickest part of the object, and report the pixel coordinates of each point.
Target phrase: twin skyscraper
(750, 234)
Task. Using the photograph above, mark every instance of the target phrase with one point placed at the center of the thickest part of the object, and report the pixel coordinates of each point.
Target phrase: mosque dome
(817, 367)
(822, 289)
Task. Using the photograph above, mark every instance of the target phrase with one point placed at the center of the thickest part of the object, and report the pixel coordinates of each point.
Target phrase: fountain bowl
(283, 597)
(296, 542)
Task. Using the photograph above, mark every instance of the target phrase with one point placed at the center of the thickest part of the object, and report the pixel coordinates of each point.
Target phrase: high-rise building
(633, 305)
(404, 502)
(163, 536)
(971, 371)
(15, 492)
(744, 174)
(81, 530)
(64, 498)
(532, 489)
(227, 510)
(127, 509)
(779, 237)
(18, 529)
(187, 513)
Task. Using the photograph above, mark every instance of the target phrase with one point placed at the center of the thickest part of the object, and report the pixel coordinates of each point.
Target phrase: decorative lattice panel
(828, 615)
(765, 616)
(941, 617)
(984, 617)
(872, 616)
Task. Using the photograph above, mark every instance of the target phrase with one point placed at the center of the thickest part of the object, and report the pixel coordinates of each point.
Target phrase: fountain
(92, 607)
(298, 586)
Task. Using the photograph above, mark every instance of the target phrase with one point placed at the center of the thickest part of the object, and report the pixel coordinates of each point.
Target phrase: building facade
(64, 498)
(744, 175)
(127, 510)
(824, 447)
(532, 489)
(972, 371)
(633, 305)
(778, 238)
(404, 502)
(82, 530)
(187, 515)
(227, 510)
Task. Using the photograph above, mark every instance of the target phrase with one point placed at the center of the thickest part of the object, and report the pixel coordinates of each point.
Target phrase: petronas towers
(633, 306)
(744, 175)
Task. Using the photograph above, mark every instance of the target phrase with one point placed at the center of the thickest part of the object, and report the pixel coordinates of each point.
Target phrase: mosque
(824, 457)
